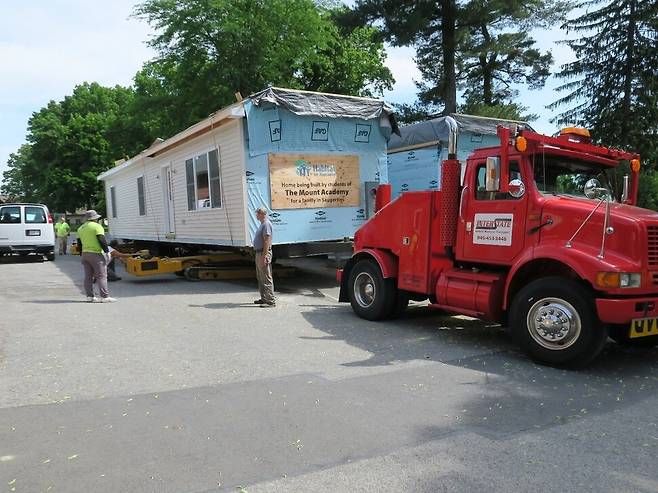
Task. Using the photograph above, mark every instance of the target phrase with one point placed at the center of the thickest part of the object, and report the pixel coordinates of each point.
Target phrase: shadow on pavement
(311, 277)
(510, 393)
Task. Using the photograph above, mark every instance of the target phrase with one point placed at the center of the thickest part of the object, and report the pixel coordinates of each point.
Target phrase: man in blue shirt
(263, 250)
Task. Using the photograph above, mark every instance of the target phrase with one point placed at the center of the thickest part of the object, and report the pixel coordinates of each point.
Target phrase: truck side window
(480, 185)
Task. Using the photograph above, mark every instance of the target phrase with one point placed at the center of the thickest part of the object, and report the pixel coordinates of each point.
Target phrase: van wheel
(372, 297)
(554, 322)
(50, 256)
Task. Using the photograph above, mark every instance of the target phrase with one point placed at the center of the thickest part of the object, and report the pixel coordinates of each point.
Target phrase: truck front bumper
(622, 311)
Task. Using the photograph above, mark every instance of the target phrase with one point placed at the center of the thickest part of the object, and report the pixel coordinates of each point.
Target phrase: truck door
(11, 225)
(491, 226)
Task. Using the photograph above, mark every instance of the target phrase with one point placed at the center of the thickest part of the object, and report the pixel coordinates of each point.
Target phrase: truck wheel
(401, 303)
(372, 297)
(554, 322)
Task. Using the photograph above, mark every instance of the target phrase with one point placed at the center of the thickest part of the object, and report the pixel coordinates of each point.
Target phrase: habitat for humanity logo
(304, 168)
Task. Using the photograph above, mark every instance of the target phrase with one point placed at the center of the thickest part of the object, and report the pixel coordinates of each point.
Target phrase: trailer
(309, 158)
(534, 237)
(415, 153)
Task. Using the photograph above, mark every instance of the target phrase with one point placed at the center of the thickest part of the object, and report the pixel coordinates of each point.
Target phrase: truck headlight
(618, 279)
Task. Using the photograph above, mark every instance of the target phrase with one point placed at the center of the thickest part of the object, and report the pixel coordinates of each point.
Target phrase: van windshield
(558, 175)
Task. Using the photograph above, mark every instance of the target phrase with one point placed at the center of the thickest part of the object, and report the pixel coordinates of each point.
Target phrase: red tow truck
(533, 238)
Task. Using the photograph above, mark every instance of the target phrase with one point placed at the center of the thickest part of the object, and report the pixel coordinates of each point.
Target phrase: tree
(69, 143)
(208, 51)
(482, 47)
(612, 86)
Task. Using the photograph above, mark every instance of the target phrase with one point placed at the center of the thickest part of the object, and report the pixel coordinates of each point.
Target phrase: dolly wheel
(554, 322)
(372, 297)
(191, 274)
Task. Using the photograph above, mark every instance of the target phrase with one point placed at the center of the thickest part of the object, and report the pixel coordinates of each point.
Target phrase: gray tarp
(308, 103)
(437, 129)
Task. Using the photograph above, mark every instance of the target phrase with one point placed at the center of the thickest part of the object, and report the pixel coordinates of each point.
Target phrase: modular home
(416, 153)
(311, 159)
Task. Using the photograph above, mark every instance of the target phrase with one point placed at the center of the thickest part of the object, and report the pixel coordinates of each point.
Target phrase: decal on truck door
(493, 229)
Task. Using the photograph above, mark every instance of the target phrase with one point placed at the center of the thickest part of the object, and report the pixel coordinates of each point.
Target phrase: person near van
(263, 250)
(93, 247)
(62, 232)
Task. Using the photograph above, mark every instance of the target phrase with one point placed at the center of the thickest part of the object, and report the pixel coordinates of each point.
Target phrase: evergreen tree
(481, 47)
(612, 86)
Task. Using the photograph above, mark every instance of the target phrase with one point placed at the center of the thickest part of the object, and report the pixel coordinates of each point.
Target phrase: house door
(168, 197)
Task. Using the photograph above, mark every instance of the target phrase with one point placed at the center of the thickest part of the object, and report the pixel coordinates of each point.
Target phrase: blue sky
(49, 46)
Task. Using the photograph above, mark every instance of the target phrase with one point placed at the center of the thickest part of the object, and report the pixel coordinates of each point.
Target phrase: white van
(25, 229)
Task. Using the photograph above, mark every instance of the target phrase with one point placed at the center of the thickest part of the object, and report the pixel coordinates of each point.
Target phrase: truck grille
(652, 246)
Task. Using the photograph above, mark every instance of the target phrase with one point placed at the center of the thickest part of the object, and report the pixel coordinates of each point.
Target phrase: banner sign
(303, 181)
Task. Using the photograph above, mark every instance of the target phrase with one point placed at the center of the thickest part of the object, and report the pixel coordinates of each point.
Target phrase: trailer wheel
(554, 322)
(372, 297)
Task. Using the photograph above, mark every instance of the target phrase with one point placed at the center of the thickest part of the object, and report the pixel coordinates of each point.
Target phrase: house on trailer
(307, 157)
(416, 154)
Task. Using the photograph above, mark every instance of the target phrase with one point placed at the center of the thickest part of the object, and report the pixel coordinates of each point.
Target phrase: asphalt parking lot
(190, 387)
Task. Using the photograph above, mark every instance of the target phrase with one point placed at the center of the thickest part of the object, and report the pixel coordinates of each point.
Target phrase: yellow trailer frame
(138, 266)
(218, 266)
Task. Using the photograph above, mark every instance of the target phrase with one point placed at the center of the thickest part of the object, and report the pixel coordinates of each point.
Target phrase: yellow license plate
(643, 327)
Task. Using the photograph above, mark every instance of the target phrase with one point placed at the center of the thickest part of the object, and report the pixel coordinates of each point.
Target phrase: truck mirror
(492, 182)
(593, 189)
(516, 188)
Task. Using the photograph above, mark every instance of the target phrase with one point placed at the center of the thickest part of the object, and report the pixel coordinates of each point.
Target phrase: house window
(113, 201)
(140, 196)
(203, 181)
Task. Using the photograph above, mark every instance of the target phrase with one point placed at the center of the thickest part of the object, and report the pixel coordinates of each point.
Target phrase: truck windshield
(558, 175)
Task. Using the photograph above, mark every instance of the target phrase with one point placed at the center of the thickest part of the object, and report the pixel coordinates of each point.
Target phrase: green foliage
(612, 86)
(69, 144)
(481, 47)
(208, 51)
(507, 111)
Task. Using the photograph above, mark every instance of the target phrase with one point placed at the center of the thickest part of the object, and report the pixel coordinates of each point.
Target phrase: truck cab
(534, 237)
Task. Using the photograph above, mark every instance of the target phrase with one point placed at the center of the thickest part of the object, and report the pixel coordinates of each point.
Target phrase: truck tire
(401, 303)
(554, 322)
(372, 297)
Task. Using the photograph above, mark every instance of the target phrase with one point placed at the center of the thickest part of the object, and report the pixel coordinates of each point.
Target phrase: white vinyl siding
(223, 223)
(140, 196)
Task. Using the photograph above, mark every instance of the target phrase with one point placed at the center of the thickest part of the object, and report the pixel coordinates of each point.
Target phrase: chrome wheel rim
(554, 323)
(364, 289)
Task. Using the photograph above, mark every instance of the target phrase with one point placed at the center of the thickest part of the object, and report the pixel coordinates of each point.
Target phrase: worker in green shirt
(93, 249)
(62, 231)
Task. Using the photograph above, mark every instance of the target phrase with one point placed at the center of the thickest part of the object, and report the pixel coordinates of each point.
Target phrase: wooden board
(310, 181)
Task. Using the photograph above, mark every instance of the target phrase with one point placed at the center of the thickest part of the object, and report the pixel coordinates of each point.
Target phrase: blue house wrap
(416, 154)
(280, 122)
